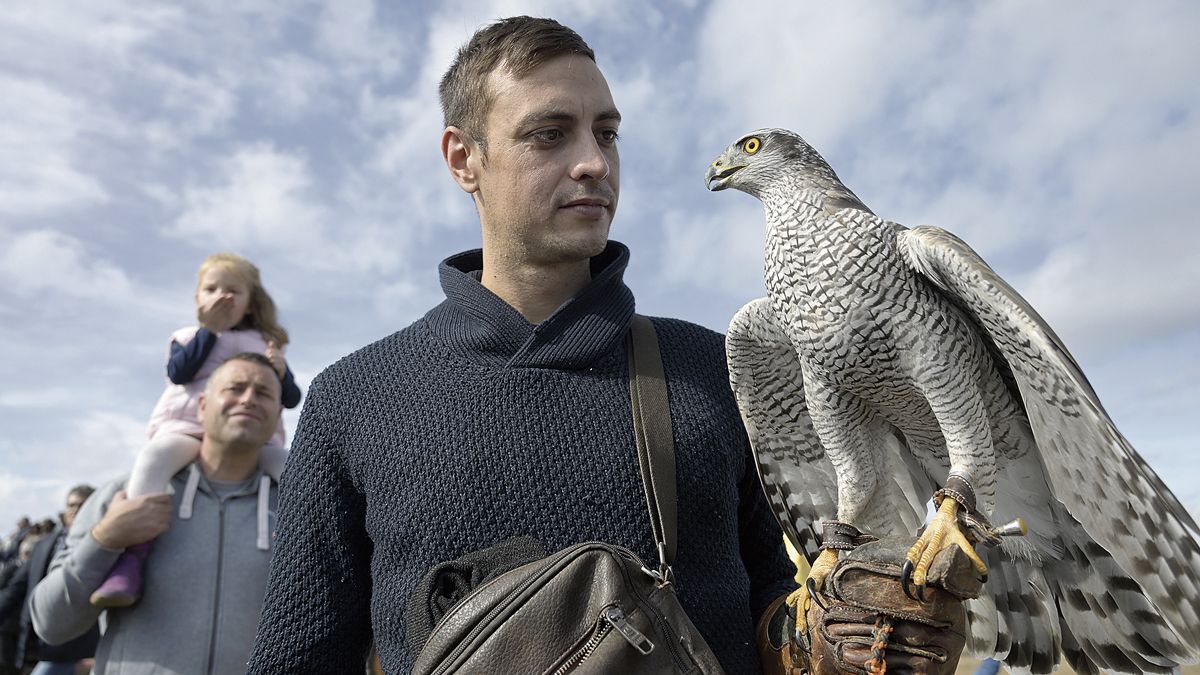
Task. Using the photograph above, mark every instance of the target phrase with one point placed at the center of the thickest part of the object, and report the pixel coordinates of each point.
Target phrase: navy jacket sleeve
(291, 391)
(316, 615)
(186, 359)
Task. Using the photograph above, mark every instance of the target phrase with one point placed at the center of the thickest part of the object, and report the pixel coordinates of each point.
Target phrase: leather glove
(862, 622)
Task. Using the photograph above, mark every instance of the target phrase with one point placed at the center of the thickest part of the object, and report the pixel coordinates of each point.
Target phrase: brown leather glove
(864, 623)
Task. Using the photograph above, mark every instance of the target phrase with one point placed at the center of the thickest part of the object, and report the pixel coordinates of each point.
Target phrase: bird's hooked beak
(720, 171)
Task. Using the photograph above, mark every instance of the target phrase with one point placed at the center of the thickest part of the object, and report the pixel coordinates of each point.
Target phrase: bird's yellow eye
(751, 145)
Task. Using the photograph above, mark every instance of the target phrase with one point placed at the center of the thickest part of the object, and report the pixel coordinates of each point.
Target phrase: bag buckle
(665, 575)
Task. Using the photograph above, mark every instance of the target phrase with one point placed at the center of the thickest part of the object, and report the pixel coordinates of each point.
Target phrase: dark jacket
(16, 595)
(473, 426)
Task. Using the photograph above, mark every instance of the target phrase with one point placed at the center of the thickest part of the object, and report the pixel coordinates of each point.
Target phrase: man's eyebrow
(541, 116)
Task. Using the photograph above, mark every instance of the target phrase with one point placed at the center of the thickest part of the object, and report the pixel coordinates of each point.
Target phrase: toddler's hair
(260, 312)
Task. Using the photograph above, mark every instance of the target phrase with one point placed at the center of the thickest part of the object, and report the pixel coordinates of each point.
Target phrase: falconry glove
(863, 622)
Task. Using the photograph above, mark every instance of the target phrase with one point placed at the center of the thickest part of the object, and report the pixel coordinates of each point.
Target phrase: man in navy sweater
(505, 410)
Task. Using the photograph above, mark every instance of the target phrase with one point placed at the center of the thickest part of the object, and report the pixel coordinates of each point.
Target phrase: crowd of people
(24, 560)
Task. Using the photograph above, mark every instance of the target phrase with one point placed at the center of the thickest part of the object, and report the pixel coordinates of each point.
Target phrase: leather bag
(592, 607)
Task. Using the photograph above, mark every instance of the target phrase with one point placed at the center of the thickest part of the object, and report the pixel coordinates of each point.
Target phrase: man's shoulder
(386, 355)
(680, 335)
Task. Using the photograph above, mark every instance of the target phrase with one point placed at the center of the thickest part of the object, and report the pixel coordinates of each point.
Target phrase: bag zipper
(633, 636)
(548, 567)
(611, 617)
(599, 632)
(672, 641)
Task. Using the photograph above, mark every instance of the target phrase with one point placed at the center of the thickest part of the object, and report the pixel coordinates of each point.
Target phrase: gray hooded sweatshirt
(203, 587)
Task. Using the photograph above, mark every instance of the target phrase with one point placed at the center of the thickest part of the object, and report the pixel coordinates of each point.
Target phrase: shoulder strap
(652, 432)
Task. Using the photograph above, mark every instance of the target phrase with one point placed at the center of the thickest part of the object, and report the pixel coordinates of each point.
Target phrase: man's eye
(548, 135)
(609, 136)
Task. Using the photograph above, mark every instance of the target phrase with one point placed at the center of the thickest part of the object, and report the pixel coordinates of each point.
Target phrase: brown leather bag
(592, 607)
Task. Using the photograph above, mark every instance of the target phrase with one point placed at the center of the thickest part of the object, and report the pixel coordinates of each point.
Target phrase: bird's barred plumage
(884, 358)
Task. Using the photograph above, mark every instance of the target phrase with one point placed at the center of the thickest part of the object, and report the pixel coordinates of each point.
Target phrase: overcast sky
(1062, 140)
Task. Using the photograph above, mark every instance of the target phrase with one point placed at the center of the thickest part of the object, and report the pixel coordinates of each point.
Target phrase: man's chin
(583, 243)
(246, 436)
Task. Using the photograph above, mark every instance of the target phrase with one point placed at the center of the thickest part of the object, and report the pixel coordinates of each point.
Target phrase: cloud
(351, 33)
(40, 261)
(93, 447)
(291, 85)
(264, 198)
(58, 397)
(39, 148)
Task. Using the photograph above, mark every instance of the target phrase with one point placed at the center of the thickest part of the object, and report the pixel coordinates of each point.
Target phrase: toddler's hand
(133, 521)
(218, 316)
(275, 356)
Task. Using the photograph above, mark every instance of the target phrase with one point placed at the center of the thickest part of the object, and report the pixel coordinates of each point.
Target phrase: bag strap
(653, 435)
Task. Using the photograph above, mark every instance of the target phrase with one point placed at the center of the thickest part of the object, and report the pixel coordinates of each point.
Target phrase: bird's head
(764, 158)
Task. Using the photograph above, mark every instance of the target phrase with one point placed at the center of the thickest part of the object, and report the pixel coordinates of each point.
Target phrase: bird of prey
(890, 364)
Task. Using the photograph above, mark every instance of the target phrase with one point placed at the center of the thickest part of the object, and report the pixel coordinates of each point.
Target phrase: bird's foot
(814, 581)
(941, 534)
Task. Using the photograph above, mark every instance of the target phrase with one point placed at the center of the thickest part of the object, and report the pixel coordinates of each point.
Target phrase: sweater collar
(477, 323)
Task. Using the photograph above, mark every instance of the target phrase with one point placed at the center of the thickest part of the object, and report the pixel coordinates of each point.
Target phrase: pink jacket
(177, 410)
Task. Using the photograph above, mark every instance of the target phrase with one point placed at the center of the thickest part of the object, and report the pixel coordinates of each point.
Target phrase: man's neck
(535, 291)
(226, 463)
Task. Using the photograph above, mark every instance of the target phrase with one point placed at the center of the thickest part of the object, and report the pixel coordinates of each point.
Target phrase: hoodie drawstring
(263, 541)
(264, 501)
(189, 493)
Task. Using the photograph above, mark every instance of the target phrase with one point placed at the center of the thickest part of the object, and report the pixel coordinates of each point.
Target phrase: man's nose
(590, 161)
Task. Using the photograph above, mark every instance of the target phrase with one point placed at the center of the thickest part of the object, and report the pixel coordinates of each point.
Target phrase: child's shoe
(123, 586)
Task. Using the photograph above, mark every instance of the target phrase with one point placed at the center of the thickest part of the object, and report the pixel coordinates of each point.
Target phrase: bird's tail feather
(1015, 620)
(1109, 622)
(1073, 603)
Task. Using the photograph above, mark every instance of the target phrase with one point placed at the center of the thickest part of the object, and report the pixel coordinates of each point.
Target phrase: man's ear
(462, 157)
(200, 404)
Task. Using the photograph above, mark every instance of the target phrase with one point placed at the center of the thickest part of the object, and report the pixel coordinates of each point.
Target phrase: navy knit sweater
(472, 426)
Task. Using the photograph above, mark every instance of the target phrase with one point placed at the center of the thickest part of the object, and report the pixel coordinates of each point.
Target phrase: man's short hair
(83, 490)
(520, 44)
(253, 357)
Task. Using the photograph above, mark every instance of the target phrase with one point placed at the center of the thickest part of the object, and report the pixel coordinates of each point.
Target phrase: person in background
(212, 544)
(235, 314)
(10, 618)
(8, 550)
(50, 659)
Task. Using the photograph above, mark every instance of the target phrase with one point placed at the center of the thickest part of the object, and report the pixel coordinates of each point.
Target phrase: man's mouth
(588, 207)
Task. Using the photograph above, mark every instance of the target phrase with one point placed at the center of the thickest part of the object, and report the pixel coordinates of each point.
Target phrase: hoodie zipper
(212, 640)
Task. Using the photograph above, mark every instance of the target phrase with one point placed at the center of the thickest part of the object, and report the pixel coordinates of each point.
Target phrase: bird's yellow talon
(942, 533)
(801, 599)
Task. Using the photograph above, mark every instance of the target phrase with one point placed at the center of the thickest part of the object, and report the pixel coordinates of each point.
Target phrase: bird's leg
(810, 582)
(943, 532)
(836, 536)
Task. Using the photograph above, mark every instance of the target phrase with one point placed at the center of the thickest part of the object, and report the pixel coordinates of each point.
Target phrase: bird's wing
(1091, 467)
(797, 476)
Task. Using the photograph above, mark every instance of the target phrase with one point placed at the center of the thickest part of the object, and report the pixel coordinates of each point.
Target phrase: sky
(1061, 140)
